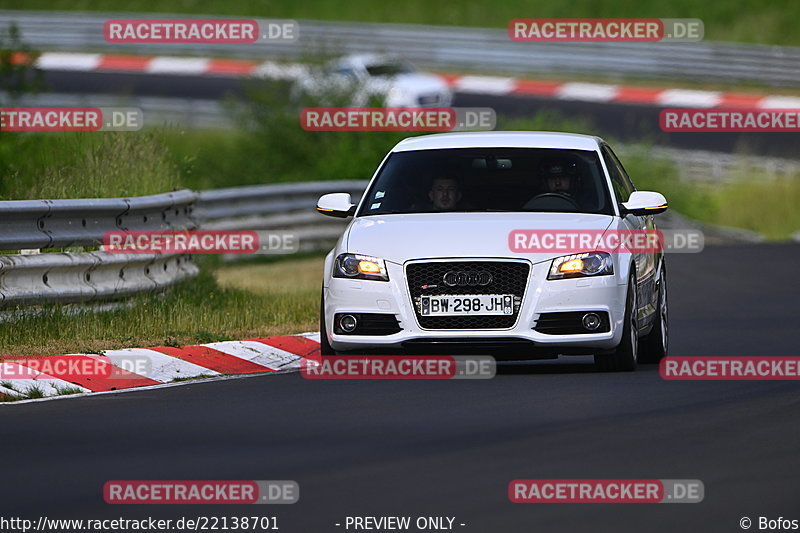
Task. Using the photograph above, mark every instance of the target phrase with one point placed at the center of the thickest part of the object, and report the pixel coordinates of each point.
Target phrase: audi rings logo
(460, 278)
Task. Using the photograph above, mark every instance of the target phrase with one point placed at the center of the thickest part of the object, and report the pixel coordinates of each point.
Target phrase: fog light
(591, 321)
(348, 323)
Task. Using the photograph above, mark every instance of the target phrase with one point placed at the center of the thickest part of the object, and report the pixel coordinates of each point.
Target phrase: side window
(619, 179)
(625, 178)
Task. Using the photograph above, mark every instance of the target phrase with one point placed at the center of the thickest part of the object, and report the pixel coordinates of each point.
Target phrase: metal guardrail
(478, 49)
(32, 225)
(283, 207)
(226, 205)
(36, 224)
(87, 277)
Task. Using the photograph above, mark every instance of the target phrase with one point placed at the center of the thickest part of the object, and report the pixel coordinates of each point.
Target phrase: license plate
(470, 305)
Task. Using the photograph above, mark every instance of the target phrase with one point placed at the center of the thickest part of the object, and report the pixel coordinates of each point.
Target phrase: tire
(654, 345)
(324, 346)
(624, 357)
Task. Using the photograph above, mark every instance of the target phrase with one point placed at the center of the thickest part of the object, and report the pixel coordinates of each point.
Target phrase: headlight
(580, 265)
(354, 266)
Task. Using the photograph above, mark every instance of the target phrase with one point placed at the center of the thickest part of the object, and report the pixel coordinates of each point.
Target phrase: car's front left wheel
(654, 345)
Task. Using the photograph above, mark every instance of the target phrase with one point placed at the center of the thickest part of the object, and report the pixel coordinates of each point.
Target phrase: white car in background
(426, 263)
(371, 79)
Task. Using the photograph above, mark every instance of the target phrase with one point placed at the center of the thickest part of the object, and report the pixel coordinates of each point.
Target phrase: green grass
(773, 22)
(269, 146)
(768, 206)
(35, 392)
(32, 392)
(85, 165)
(211, 159)
(196, 311)
(8, 397)
(182, 379)
(67, 390)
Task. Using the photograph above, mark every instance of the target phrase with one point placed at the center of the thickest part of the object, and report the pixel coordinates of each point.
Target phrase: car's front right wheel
(324, 346)
(625, 356)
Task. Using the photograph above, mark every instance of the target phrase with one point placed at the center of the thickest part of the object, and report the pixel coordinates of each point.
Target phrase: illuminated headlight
(580, 265)
(355, 266)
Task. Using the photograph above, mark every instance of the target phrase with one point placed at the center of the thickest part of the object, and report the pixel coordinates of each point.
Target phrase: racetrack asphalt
(450, 448)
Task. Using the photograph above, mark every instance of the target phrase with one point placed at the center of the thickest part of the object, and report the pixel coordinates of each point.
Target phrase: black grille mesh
(369, 324)
(508, 277)
(569, 323)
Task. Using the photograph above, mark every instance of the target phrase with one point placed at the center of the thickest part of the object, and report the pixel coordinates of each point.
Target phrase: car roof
(499, 139)
(368, 59)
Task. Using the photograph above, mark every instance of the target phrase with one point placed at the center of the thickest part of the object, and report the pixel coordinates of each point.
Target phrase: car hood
(399, 238)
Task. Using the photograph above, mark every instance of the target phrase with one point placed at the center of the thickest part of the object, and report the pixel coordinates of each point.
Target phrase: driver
(561, 177)
(445, 193)
(559, 180)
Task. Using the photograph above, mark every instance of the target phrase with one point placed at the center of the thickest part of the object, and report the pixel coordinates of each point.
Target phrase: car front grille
(508, 277)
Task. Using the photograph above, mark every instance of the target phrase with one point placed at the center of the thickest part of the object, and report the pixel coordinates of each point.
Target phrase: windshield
(489, 179)
(389, 69)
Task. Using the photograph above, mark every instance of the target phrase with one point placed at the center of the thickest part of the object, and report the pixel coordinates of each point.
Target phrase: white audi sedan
(466, 243)
(374, 79)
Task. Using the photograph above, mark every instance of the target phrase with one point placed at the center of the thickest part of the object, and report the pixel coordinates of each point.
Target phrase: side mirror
(336, 204)
(643, 203)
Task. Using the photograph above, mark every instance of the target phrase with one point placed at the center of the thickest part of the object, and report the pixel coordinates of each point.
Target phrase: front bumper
(411, 99)
(602, 293)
